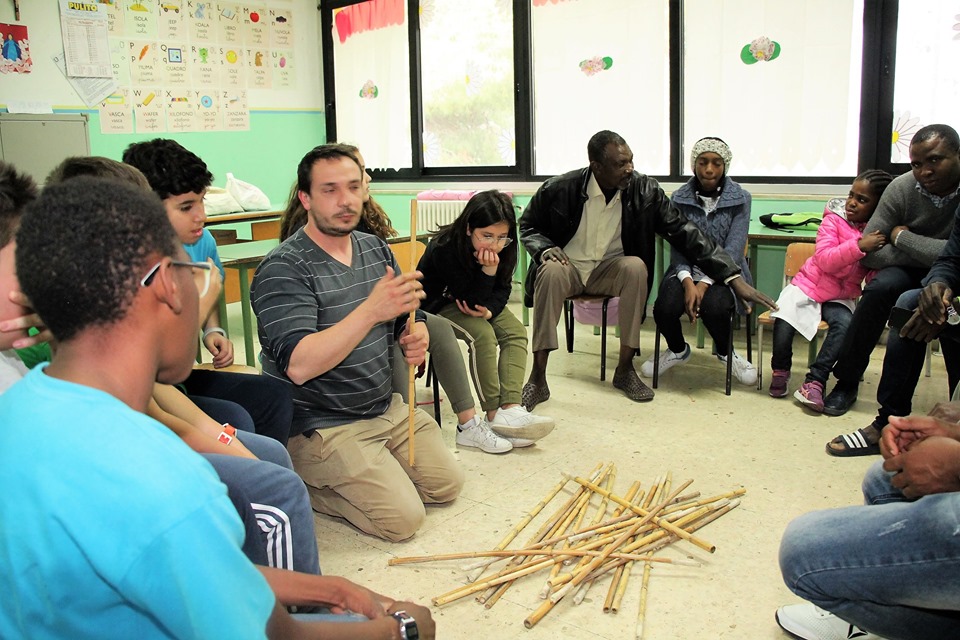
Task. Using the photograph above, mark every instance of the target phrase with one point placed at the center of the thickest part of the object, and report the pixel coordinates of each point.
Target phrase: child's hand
(693, 297)
(872, 241)
(478, 311)
(488, 259)
(221, 348)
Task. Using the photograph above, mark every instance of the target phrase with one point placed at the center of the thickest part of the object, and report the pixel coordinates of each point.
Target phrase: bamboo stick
(643, 601)
(412, 388)
(706, 546)
(510, 553)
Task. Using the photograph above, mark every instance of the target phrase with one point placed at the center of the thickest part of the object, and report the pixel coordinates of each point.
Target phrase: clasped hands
(924, 451)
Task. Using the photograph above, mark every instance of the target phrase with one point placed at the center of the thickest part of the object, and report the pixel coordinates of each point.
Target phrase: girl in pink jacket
(827, 287)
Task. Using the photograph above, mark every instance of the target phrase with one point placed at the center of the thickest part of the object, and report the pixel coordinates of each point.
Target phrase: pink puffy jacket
(834, 271)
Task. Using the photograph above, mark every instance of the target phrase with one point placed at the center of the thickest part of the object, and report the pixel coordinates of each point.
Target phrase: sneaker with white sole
(519, 443)
(745, 372)
(668, 359)
(809, 622)
(517, 422)
(477, 434)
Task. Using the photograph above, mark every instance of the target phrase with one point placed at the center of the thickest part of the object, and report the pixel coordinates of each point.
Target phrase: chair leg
(749, 339)
(656, 359)
(603, 340)
(568, 323)
(730, 351)
(759, 355)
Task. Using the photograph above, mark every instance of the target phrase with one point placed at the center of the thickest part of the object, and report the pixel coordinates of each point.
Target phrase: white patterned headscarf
(717, 146)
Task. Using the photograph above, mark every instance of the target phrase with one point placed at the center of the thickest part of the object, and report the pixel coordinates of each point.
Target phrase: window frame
(876, 100)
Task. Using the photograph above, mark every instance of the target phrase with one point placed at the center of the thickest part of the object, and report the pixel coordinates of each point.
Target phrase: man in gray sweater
(916, 213)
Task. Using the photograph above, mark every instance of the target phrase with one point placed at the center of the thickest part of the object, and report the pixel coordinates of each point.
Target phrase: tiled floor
(772, 448)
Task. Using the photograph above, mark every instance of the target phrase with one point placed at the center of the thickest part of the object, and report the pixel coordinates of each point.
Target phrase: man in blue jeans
(889, 567)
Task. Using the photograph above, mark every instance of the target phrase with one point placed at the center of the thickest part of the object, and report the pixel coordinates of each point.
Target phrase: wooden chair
(568, 321)
(797, 254)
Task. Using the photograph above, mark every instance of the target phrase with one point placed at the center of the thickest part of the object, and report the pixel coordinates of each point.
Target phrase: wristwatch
(408, 626)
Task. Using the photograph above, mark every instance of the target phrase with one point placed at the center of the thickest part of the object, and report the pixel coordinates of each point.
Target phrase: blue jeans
(903, 363)
(837, 317)
(278, 499)
(889, 567)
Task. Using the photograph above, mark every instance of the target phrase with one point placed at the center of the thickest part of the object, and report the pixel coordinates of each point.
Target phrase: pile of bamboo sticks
(576, 552)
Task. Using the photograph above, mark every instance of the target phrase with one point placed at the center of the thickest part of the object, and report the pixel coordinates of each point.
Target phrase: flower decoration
(474, 78)
(956, 27)
(369, 91)
(903, 129)
(762, 49)
(431, 147)
(427, 10)
(507, 146)
(593, 66)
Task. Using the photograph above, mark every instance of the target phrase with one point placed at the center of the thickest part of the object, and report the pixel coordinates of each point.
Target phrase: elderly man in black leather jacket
(579, 245)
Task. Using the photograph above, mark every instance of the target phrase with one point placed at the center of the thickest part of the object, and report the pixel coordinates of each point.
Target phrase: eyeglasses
(203, 266)
(493, 240)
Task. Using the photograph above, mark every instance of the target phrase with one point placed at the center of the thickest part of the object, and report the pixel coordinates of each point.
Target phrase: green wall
(266, 155)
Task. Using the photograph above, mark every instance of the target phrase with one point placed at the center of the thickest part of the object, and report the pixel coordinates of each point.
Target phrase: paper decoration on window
(763, 49)
(593, 66)
(426, 10)
(507, 146)
(903, 129)
(369, 90)
(15, 50)
(542, 3)
(956, 27)
(431, 147)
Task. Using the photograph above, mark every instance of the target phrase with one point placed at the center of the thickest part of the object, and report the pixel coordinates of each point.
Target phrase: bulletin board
(266, 116)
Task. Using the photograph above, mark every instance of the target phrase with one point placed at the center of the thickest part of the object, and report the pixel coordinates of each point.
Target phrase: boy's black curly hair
(17, 190)
(171, 169)
(83, 248)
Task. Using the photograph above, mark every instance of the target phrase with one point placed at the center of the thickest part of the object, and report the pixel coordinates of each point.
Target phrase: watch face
(408, 626)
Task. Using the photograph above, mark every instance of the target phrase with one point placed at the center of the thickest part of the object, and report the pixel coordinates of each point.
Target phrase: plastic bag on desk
(251, 198)
(219, 201)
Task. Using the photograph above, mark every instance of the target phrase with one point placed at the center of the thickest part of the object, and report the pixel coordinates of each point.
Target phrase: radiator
(432, 214)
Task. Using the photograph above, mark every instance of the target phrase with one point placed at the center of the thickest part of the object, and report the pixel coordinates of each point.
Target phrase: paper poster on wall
(204, 67)
(233, 73)
(256, 32)
(229, 23)
(119, 52)
(148, 110)
(144, 57)
(181, 113)
(140, 19)
(116, 113)
(15, 49)
(281, 28)
(83, 26)
(261, 75)
(208, 110)
(116, 22)
(201, 18)
(175, 64)
(236, 113)
(282, 68)
(171, 23)
(91, 90)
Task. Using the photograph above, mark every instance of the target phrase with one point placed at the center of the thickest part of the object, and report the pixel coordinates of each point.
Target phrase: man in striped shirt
(329, 304)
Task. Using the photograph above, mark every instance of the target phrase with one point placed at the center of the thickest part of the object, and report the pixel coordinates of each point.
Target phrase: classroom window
(373, 81)
(781, 89)
(466, 67)
(600, 65)
(927, 85)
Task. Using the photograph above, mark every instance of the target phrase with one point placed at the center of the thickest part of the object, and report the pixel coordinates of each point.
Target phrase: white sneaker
(745, 372)
(809, 622)
(668, 359)
(519, 443)
(477, 434)
(517, 422)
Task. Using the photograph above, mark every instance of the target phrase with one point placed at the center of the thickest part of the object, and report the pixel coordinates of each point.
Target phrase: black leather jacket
(553, 217)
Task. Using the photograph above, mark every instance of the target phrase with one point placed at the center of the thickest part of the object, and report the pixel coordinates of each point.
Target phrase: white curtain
(373, 89)
(794, 115)
(600, 64)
